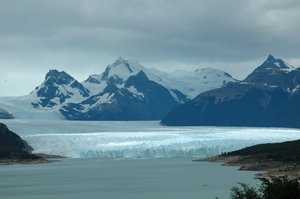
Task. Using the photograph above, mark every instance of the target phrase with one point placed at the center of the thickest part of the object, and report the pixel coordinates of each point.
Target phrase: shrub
(273, 188)
(245, 192)
(280, 188)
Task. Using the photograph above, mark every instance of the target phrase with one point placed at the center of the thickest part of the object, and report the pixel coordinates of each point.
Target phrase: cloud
(89, 34)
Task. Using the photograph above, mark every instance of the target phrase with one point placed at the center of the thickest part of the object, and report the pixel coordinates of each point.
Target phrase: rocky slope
(15, 150)
(268, 97)
(278, 159)
(58, 88)
(139, 99)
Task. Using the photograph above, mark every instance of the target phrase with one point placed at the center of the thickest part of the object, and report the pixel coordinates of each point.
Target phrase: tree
(280, 188)
(273, 188)
(245, 192)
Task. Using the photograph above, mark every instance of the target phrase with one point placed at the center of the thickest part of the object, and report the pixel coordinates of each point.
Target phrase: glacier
(143, 139)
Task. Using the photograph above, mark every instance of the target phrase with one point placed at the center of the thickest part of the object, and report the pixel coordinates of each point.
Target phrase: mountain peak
(274, 63)
(57, 87)
(52, 72)
(60, 77)
(121, 63)
(120, 60)
(270, 58)
(121, 69)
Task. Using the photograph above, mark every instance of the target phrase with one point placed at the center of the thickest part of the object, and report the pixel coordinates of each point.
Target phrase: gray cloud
(83, 36)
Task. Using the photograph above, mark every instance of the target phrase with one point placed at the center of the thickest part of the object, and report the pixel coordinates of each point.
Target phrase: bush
(273, 188)
(245, 192)
(280, 188)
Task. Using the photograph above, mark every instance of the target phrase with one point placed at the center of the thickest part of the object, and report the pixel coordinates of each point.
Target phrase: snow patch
(133, 90)
(21, 107)
(294, 89)
(94, 88)
(104, 99)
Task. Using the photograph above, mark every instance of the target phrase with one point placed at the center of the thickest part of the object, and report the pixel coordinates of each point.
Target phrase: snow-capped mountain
(189, 83)
(268, 97)
(57, 88)
(47, 98)
(192, 83)
(126, 90)
(137, 99)
(274, 73)
(120, 71)
(273, 63)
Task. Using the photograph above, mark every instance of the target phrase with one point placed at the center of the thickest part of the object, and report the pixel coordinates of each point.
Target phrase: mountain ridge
(268, 97)
(62, 95)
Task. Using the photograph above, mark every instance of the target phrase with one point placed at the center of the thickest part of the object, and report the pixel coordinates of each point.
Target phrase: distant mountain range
(268, 97)
(126, 90)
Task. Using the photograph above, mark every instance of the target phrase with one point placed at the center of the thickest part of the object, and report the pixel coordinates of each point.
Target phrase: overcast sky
(82, 37)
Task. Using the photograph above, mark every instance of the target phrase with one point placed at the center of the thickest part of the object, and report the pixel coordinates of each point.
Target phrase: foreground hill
(277, 159)
(268, 97)
(126, 90)
(15, 150)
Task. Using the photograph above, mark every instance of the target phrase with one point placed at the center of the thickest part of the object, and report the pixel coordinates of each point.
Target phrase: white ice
(140, 139)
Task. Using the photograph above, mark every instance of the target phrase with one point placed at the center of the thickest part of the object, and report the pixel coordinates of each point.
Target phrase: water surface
(120, 179)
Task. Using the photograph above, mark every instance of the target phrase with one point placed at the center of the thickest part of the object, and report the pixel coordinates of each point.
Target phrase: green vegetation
(245, 192)
(281, 152)
(277, 159)
(273, 188)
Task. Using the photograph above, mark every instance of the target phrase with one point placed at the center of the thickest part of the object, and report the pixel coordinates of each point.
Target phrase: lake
(124, 178)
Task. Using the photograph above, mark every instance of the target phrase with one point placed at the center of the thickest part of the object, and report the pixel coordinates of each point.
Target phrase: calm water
(127, 179)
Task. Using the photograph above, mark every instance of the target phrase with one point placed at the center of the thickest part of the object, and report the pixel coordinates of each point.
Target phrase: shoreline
(25, 161)
(38, 158)
(276, 159)
(265, 167)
